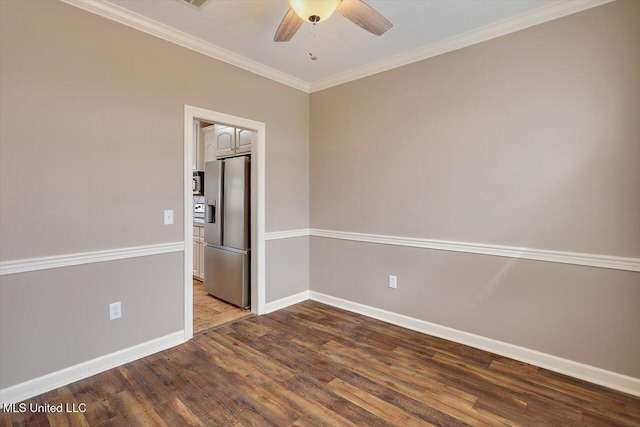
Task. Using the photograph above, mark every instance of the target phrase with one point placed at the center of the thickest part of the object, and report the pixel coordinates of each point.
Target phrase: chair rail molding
(548, 255)
(286, 234)
(68, 260)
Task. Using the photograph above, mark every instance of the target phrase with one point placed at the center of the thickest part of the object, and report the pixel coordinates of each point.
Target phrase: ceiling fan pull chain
(312, 55)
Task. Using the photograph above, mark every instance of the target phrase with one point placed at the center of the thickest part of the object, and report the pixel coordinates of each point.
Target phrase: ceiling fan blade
(365, 16)
(288, 27)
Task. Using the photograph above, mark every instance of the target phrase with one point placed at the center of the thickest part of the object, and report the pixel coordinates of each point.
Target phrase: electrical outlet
(393, 282)
(115, 310)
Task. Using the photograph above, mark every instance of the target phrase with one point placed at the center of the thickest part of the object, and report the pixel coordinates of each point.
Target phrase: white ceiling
(246, 28)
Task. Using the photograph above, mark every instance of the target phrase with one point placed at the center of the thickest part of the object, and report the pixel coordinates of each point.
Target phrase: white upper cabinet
(225, 141)
(209, 143)
(243, 141)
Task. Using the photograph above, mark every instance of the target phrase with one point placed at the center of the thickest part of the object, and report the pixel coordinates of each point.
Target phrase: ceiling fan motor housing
(314, 10)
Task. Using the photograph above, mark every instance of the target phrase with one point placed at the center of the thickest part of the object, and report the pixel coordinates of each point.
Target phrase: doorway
(257, 213)
(210, 312)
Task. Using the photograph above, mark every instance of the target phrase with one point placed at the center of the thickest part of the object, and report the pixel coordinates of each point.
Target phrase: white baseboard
(286, 302)
(613, 380)
(36, 386)
(589, 373)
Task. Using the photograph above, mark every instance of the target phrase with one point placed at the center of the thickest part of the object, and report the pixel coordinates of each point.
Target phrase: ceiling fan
(316, 11)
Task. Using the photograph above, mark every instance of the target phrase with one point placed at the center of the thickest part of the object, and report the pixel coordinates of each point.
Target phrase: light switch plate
(168, 217)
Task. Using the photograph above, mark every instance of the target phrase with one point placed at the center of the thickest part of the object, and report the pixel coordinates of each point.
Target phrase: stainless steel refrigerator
(227, 230)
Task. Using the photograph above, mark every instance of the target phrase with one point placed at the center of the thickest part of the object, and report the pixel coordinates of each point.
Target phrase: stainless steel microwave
(196, 186)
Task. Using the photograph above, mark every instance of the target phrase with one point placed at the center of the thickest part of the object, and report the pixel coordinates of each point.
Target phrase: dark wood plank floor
(210, 312)
(311, 364)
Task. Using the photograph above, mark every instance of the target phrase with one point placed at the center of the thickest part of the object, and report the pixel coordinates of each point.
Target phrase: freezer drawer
(226, 274)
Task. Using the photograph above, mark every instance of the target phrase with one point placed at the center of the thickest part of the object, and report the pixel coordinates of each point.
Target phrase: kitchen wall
(91, 147)
(528, 140)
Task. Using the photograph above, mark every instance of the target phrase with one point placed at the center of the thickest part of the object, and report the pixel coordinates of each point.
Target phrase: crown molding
(549, 12)
(540, 15)
(142, 23)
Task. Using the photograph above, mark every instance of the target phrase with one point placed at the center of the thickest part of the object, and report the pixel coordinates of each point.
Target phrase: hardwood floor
(210, 312)
(312, 364)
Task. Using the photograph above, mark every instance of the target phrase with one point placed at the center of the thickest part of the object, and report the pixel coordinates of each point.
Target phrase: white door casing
(258, 149)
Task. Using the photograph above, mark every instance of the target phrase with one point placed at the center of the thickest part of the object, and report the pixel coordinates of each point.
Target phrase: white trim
(286, 234)
(563, 257)
(258, 156)
(36, 386)
(187, 226)
(285, 302)
(147, 25)
(576, 258)
(546, 13)
(68, 260)
(582, 371)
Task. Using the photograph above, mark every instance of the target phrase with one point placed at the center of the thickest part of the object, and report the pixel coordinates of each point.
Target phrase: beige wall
(527, 140)
(288, 266)
(589, 315)
(531, 140)
(52, 319)
(92, 132)
(91, 140)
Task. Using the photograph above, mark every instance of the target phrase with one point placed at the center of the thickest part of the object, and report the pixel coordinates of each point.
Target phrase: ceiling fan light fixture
(314, 10)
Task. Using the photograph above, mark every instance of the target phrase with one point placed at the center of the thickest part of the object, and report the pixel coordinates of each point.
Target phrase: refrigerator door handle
(210, 214)
(214, 201)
